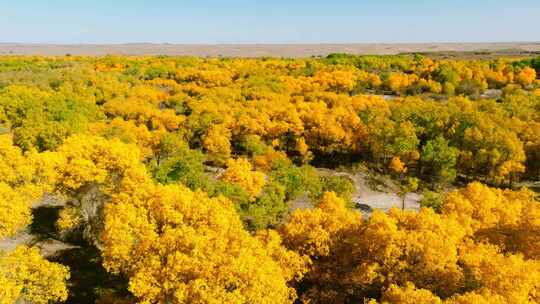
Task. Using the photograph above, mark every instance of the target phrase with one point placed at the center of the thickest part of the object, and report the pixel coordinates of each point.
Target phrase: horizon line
(268, 43)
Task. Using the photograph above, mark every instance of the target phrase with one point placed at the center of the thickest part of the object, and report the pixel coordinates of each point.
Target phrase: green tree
(433, 200)
(184, 166)
(409, 185)
(439, 161)
(296, 180)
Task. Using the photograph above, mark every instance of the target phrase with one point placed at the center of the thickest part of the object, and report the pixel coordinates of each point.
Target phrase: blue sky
(277, 21)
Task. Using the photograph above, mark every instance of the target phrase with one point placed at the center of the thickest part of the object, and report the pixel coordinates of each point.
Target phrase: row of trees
(416, 74)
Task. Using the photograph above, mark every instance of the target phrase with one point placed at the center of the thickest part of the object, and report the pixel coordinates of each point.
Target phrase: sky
(276, 21)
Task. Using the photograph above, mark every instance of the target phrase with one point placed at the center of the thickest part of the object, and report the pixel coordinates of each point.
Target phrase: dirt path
(375, 198)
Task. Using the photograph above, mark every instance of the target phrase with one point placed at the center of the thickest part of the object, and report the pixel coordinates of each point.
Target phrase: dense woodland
(176, 176)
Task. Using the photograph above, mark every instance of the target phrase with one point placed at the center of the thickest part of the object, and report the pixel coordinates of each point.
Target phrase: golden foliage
(97, 129)
(108, 163)
(239, 171)
(23, 179)
(509, 219)
(408, 257)
(14, 211)
(396, 165)
(183, 247)
(25, 275)
(409, 295)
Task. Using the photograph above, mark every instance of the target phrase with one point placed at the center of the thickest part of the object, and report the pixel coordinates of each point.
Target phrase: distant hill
(273, 50)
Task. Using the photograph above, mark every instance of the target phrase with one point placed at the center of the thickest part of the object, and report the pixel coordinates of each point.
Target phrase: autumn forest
(162, 179)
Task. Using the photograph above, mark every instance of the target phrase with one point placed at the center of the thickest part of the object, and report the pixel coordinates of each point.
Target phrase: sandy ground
(48, 246)
(384, 198)
(21, 238)
(375, 198)
(260, 50)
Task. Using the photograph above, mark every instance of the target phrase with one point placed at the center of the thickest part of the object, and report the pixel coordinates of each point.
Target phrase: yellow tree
(397, 166)
(509, 219)
(409, 257)
(409, 294)
(14, 211)
(23, 179)
(321, 234)
(180, 246)
(15, 176)
(217, 142)
(94, 168)
(239, 171)
(514, 281)
(139, 223)
(526, 76)
(26, 276)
